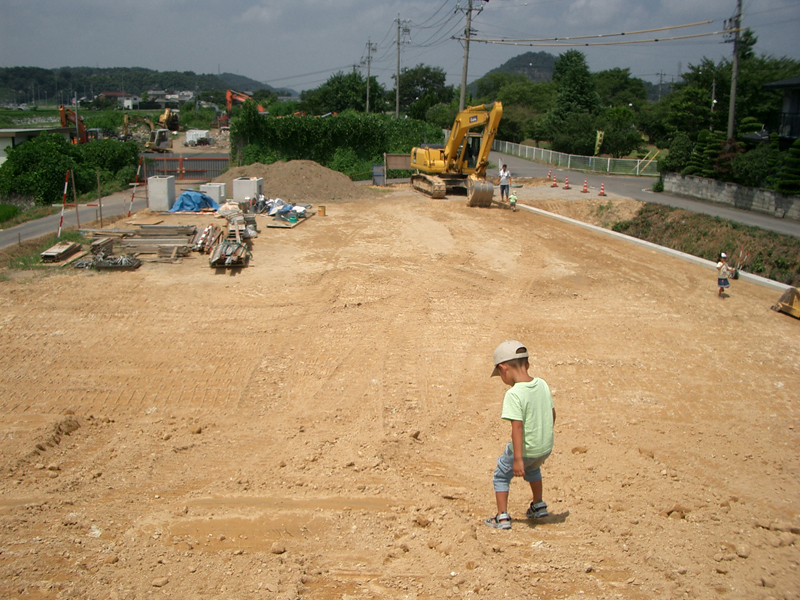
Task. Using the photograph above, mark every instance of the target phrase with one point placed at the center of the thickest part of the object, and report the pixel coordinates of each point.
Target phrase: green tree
(697, 160)
(423, 84)
(621, 136)
(616, 87)
(341, 92)
(488, 86)
(442, 115)
(688, 110)
(539, 97)
(572, 120)
(680, 152)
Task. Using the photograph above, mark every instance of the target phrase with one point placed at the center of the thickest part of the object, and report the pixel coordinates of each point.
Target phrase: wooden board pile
(60, 252)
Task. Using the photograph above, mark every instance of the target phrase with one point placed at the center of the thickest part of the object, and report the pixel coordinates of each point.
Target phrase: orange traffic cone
(555, 184)
(549, 172)
(585, 189)
(566, 184)
(602, 188)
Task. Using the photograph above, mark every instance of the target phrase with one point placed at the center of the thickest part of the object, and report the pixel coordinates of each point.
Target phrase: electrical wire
(605, 35)
(680, 37)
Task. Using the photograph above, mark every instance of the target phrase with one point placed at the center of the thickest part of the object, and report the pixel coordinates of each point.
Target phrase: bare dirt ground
(322, 424)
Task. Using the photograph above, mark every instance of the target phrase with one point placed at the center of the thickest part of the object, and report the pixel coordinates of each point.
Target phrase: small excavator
(67, 116)
(459, 166)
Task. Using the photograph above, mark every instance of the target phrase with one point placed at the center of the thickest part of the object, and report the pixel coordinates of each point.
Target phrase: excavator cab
(159, 141)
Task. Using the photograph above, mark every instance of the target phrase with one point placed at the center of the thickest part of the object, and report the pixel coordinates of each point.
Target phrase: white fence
(575, 162)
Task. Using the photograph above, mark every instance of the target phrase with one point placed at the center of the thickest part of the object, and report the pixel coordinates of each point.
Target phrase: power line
(605, 35)
(650, 41)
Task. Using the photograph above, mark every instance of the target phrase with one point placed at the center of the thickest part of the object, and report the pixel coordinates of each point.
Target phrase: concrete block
(215, 191)
(161, 192)
(247, 187)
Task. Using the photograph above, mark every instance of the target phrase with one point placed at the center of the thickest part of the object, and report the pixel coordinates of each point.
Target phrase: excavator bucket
(789, 303)
(479, 192)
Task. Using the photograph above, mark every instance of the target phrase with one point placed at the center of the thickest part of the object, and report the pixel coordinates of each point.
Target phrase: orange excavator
(231, 95)
(67, 119)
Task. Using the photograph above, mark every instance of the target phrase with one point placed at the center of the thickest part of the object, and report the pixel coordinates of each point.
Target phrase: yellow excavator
(459, 166)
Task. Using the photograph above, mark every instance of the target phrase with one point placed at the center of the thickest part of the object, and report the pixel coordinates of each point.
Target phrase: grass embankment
(771, 255)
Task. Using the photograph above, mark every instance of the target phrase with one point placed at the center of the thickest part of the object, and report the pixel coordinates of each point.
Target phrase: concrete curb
(762, 281)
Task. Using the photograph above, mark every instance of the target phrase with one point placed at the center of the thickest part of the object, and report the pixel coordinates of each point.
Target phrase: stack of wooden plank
(60, 252)
(103, 246)
(150, 238)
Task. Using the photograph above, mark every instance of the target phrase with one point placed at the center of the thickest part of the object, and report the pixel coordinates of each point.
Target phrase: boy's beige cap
(508, 350)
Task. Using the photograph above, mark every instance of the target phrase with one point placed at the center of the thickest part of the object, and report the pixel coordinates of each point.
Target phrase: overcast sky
(300, 43)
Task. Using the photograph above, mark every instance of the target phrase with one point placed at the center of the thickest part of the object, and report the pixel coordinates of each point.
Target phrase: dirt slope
(322, 424)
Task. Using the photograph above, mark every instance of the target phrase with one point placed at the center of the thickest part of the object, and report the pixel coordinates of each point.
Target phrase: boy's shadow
(551, 519)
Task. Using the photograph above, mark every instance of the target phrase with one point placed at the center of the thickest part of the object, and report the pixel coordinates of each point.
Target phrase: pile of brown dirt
(299, 181)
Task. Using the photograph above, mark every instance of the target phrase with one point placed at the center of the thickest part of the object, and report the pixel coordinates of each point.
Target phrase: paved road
(112, 205)
(639, 189)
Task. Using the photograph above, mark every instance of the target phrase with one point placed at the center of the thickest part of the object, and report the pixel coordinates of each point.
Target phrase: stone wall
(731, 194)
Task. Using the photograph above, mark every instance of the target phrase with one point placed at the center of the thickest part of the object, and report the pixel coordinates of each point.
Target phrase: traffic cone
(566, 184)
(585, 189)
(555, 183)
(602, 188)
(550, 172)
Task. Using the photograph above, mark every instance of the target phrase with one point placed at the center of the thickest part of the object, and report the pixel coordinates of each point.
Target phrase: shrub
(752, 168)
(658, 186)
(8, 212)
(36, 169)
(680, 152)
(789, 182)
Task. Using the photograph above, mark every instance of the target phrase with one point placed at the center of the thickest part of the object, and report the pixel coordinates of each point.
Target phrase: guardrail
(576, 162)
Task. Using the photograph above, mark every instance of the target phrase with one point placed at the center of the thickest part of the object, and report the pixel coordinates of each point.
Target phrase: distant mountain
(34, 84)
(536, 66)
(240, 83)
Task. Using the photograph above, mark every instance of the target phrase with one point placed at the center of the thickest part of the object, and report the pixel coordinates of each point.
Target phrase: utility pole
(370, 49)
(467, 35)
(736, 23)
(660, 81)
(405, 30)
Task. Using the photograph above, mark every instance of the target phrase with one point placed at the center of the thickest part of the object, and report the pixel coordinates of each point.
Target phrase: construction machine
(459, 166)
(170, 119)
(67, 116)
(231, 95)
(160, 141)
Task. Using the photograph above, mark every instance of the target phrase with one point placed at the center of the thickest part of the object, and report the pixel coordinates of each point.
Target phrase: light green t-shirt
(531, 403)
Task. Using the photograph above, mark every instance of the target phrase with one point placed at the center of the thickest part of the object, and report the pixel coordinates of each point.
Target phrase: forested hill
(24, 84)
(536, 66)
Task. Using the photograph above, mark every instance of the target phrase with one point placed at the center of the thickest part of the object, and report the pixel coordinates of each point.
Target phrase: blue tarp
(191, 201)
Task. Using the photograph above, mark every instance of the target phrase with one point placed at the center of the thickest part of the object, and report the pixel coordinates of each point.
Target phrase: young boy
(529, 407)
(512, 199)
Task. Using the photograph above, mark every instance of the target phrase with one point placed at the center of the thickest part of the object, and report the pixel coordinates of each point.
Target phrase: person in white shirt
(505, 179)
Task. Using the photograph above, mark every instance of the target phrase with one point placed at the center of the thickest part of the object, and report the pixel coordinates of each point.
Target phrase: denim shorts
(504, 188)
(504, 472)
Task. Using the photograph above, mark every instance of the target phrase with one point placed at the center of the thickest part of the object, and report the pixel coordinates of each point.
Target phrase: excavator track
(479, 192)
(430, 185)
